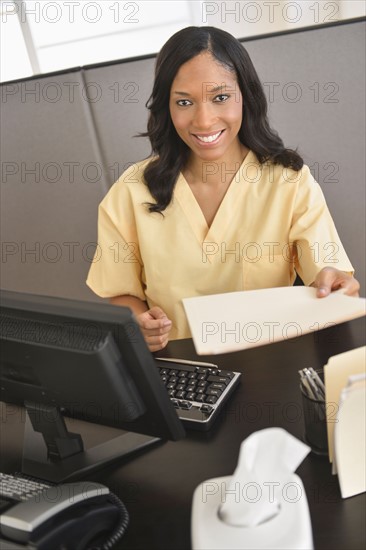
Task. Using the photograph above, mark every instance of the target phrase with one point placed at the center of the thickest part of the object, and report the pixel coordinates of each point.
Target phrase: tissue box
(289, 529)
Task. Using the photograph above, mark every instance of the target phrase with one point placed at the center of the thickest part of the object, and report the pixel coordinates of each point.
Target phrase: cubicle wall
(67, 136)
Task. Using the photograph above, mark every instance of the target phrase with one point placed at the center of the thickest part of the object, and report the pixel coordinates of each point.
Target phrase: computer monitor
(89, 361)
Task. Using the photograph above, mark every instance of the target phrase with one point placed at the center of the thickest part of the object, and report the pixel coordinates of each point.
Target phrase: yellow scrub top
(271, 222)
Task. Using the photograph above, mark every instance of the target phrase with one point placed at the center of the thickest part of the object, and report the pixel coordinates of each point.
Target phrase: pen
(187, 362)
(318, 380)
(311, 385)
(306, 386)
(318, 392)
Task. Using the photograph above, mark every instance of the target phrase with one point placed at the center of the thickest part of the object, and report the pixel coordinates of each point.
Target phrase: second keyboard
(197, 392)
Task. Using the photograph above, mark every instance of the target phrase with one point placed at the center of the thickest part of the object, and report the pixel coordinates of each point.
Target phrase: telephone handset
(68, 516)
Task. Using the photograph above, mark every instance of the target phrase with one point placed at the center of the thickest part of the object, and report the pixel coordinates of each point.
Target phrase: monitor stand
(52, 453)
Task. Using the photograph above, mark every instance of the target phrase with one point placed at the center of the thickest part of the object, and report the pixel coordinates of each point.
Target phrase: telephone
(70, 516)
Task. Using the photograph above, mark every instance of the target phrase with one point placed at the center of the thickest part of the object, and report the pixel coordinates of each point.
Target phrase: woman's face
(206, 107)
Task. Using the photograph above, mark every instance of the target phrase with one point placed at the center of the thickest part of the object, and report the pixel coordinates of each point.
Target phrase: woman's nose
(204, 116)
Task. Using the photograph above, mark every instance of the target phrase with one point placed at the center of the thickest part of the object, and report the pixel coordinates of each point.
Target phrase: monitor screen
(89, 361)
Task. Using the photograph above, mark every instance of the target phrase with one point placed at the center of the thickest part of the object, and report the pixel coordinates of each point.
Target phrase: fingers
(330, 279)
(324, 282)
(155, 327)
(351, 286)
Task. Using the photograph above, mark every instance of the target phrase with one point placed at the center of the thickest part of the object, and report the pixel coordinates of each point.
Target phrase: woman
(221, 205)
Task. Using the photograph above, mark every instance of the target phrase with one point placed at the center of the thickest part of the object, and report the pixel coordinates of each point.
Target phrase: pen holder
(315, 424)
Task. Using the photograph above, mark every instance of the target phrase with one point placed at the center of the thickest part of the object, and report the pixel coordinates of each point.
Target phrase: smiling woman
(220, 199)
(205, 59)
(207, 117)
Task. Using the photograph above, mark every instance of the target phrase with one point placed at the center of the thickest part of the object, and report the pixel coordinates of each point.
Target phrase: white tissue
(267, 460)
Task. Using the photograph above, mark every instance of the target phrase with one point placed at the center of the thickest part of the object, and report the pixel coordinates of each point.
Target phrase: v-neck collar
(188, 202)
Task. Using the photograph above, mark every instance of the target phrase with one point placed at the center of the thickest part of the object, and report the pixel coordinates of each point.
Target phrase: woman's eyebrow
(215, 89)
(181, 93)
(210, 91)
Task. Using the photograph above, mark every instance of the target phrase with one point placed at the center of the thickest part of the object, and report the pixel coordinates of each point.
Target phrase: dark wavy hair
(169, 151)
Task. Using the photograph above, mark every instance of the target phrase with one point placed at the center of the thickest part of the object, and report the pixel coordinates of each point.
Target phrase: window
(14, 58)
(40, 36)
(45, 36)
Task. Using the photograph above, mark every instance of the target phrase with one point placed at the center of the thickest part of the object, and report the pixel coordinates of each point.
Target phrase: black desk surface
(158, 484)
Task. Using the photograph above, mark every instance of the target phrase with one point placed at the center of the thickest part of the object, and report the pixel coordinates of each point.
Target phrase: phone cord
(119, 531)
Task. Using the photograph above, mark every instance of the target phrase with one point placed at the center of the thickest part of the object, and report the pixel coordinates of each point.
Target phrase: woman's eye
(183, 102)
(221, 98)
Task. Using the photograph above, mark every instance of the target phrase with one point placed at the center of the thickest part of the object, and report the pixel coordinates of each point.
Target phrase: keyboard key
(190, 395)
(225, 373)
(211, 399)
(212, 391)
(176, 366)
(202, 370)
(200, 398)
(180, 394)
(219, 379)
(185, 405)
(207, 408)
(216, 386)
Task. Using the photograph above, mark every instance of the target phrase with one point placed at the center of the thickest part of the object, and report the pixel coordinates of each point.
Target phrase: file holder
(315, 425)
(350, 437)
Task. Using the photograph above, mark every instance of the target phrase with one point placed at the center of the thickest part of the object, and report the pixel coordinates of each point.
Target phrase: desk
(157, 486)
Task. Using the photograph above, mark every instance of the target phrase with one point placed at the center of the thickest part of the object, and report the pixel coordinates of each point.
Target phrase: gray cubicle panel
(315, 84)
(120, 113)
(53, 179)
(314, 80)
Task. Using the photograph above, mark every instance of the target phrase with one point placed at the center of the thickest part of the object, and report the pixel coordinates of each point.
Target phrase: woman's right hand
(155, 326)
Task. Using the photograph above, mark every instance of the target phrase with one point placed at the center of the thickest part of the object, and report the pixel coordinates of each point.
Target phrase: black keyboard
(16, 488)
(198, 391)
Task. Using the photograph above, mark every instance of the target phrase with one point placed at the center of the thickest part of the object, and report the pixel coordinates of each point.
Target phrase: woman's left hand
(330, 279)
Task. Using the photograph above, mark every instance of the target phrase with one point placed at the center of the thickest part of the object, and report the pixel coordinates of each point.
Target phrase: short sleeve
(313, 231)
(117, 268)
